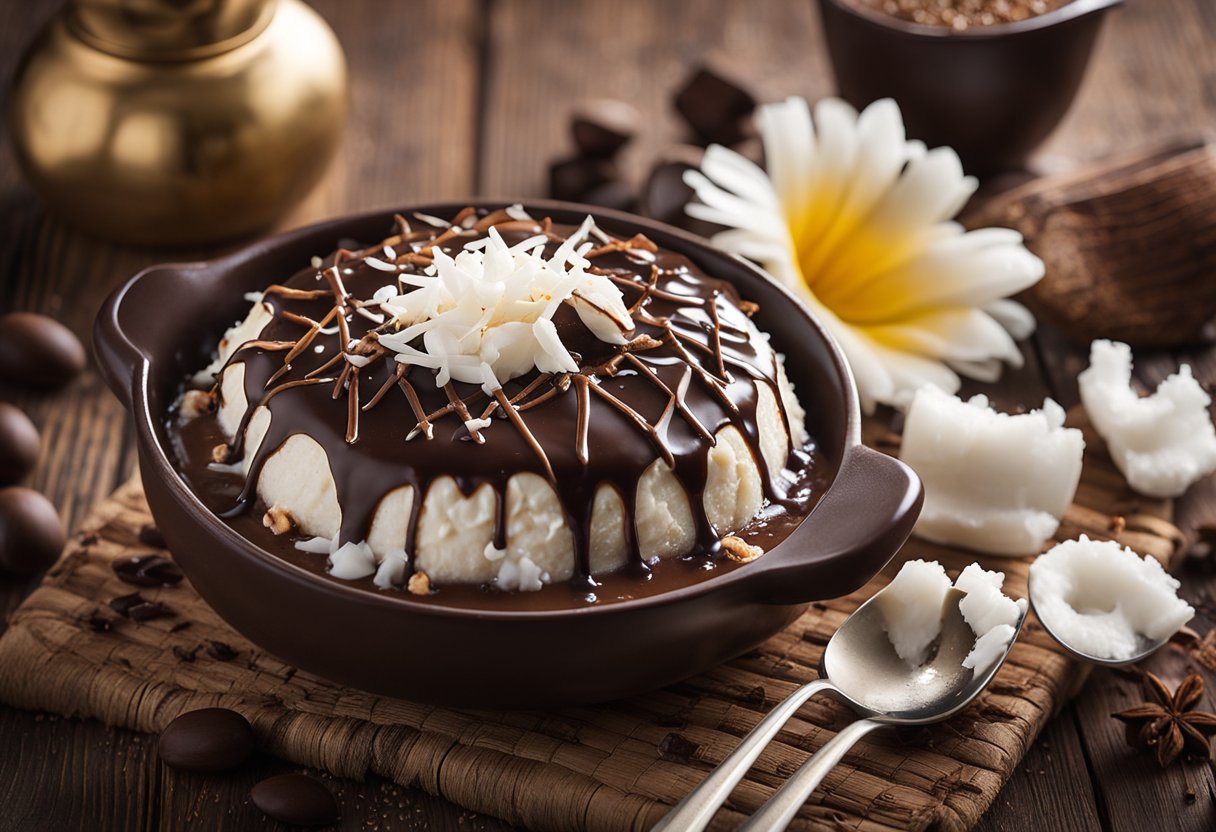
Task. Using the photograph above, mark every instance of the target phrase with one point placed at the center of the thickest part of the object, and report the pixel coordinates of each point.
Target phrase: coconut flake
(912, 605)
(911, 608)
(517, 212)
(316, 545)
(493, 553)
(357, 360)
(491, 306)
(377, 263)
(431, 220)
(522, 575)
(391, 571)
(1104, 599)
(1163, 442)
(352, 561)
(994, 482)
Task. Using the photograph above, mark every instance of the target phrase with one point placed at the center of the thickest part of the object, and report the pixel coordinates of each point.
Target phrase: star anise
(1168, 723)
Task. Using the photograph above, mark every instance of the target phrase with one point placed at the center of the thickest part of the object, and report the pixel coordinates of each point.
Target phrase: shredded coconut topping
(485, 316)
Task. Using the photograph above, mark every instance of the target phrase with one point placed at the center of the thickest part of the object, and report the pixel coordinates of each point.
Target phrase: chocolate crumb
(183, 654)
(179, 626)
(98, 623)
(147, 570)
(220, 651)
(677, 745)
(149, 535)
(87, 540)
(1189, 795)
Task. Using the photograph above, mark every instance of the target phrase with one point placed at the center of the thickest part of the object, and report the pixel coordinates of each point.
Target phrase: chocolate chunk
(123, 603)
(149, 611)
(19, 444)
(31, 535)
(570, 179)
(296, 799)
(602, 126)
(147, 570)
(715, 107)
(149, 535)
(210, 739)
(137, 608)
(183, 654)
(615, 194)
(666, 193)
(221, 652)
(38, 351)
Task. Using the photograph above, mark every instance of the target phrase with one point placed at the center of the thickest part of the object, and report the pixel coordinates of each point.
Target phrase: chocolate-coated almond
(19, 444)
(38, 351)
(209, 739)
(296, 799)
(31, 534)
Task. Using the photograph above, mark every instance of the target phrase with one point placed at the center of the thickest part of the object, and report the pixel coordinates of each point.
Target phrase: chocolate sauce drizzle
(690, 368)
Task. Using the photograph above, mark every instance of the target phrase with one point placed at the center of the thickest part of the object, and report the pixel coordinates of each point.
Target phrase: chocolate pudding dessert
(482, 406)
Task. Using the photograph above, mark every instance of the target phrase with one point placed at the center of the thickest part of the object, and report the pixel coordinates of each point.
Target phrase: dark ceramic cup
(993, 93)
(158, 328)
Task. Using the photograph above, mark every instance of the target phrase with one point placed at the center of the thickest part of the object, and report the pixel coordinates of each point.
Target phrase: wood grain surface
(471, 97)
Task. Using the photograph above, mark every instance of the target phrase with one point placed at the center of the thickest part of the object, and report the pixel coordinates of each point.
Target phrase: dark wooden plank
(203, 802)
(1051, 785)
(69, 774)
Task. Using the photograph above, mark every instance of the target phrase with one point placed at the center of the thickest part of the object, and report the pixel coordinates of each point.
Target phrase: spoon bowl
(1145, 646)
(872, 679)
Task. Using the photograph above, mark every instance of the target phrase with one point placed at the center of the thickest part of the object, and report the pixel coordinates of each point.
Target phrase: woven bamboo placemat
(608, 767)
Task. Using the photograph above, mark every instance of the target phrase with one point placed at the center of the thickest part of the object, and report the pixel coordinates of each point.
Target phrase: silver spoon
(859, 667)
(1145, 646)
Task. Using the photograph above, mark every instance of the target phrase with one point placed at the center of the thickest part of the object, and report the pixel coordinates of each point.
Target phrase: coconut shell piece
(1129, 245)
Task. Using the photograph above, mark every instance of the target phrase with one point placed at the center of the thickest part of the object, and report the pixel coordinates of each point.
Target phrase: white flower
(856, 220)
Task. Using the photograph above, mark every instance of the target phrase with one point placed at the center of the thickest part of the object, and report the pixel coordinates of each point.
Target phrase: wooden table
(500, 78)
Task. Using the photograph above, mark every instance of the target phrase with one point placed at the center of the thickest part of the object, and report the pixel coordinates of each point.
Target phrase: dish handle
(858, 525)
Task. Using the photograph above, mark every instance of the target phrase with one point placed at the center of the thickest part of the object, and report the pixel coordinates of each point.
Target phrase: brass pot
(166, 123)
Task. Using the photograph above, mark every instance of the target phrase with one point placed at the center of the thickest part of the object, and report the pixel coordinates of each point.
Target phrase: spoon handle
(779, 810)
(694, 812)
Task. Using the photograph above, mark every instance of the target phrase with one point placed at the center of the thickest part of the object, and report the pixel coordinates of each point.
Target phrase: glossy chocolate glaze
(690, 369)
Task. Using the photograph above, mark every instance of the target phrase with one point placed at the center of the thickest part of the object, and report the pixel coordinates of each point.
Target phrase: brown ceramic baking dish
(156, 329)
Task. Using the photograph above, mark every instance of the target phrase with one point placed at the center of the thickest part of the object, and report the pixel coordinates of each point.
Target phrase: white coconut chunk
(522, 575)
(986, 606)
(493, 553)
(989, 647)
(1163, 442)
(994, 482)
(912, 603)
(316, 545)
(991, 614)
(352, 561)
(1105, 600)
(391, 571)
(911, 607)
